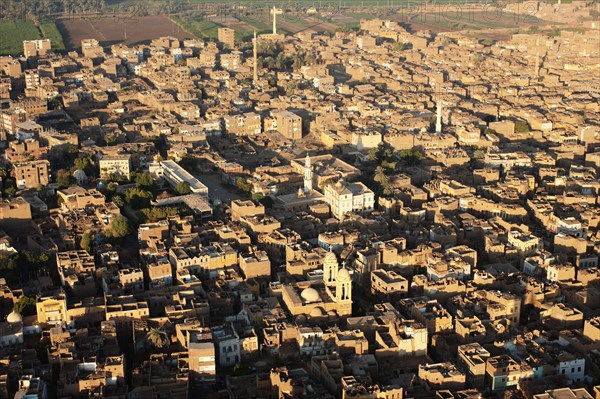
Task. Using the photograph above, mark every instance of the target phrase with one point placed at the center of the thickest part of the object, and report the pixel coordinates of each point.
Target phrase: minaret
(537, 58)
(438, 117)
(255, 78)
(308, 177)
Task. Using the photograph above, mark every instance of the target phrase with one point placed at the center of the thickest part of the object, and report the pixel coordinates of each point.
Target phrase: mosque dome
(343, 275)
(317, 312)
(79, 175)
(14, 317)
(310, 295)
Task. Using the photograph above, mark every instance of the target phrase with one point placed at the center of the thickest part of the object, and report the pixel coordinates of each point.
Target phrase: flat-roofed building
(388, 285)
(247, 124)
(226, 36)
(202, 357)
(288, 124)
(502, 372)
(566, 393)
(227, 343)
(31, 174)
(472, 360)
(175, 174)
(76, 197)
(119, 165)
(34, 48)
(14, 212)
(442, 376)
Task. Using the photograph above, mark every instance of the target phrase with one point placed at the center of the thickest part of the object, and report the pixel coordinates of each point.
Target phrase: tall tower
(537, 58)
(274, 12)
(343, 286)
(438, 117)
(330, 268)
(308, 176)
(255, 64)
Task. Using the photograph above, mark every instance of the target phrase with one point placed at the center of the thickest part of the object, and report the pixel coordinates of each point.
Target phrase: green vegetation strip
(50, 31)
(199, 27)
(12, 34)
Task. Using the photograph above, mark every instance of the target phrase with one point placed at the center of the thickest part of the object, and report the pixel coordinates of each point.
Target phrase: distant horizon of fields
(66, 32)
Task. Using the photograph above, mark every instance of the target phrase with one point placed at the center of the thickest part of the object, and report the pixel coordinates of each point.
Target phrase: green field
(199, 27)
(49, 30)
(12, 34)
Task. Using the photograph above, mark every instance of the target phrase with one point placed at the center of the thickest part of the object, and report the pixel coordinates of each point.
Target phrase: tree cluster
(118, 228)
(35, 10)
(138, 198)
(14, 266)
(25, 306)
(383, 155)
(155, 214)
(273, 58)
(411, 156)
(243, 184)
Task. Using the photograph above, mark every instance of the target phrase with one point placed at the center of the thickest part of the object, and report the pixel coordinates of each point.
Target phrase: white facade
(11, 334)
(227, 344)
(311, 341)
(574, 369)
(344, 198)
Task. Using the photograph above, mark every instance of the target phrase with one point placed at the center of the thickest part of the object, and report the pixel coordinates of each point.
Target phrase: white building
(571, 366)
(115, 164)
(227, 345)
(310, 340)
(175, 174)
(570, 226)
(345, 197)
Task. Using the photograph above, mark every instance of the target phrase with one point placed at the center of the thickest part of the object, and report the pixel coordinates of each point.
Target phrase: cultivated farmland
(109, 31)
(12, 34)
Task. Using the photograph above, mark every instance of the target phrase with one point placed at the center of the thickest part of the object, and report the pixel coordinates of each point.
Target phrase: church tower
(308, 177)
(343, 286)
(330, 268)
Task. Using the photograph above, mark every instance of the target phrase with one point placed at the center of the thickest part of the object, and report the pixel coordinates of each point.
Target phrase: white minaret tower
(255, 77)
(537, 58)
(274, 12)
(308, 176)
(438, 117)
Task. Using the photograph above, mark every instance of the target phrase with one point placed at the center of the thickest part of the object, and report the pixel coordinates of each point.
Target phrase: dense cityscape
(370, 213)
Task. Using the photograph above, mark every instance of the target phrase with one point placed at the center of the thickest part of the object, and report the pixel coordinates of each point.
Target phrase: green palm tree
(158, 337)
